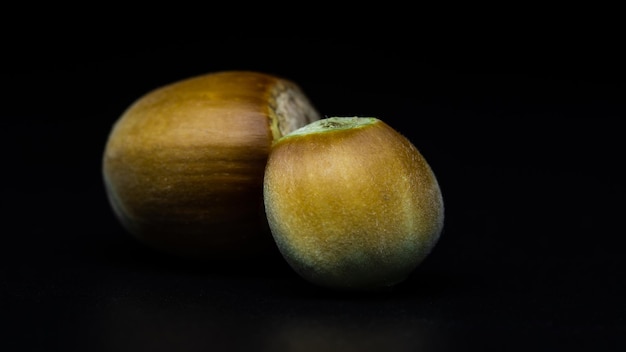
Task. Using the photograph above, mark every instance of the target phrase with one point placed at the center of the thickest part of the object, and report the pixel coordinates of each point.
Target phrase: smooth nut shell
(355, 208)
(183, 166)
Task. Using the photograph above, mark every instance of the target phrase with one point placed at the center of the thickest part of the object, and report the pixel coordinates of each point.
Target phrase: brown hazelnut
(352, 203)
(183, 166)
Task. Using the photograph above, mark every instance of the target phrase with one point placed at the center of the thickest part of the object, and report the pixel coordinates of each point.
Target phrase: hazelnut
(351, 203)
(183, 166)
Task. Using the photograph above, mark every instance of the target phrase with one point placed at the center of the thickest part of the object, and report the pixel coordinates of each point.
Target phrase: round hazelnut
(351, 203)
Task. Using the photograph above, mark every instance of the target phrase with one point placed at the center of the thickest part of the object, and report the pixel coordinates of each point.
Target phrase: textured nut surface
(183, 166)
(352, 206)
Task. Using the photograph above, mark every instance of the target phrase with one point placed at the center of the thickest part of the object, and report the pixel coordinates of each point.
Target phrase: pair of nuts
(231, 164)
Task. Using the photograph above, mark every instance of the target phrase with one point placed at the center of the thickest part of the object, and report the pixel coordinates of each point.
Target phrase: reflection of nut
(183, 166)
(351, 203)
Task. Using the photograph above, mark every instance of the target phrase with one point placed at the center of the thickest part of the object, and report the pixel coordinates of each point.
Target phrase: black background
(524, 137)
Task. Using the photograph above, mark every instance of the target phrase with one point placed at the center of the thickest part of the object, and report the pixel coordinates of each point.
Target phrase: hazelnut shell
(352, 204)
(183, 165)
